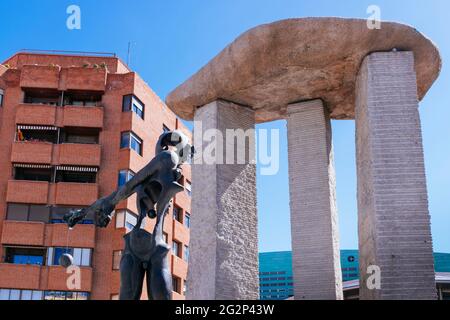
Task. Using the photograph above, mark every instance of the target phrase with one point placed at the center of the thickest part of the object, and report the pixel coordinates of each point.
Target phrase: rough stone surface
(276, 64)
(314, 221)
(223, 260)
(393, 218)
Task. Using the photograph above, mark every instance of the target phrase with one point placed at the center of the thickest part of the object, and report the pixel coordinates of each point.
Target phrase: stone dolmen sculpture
(155, 185)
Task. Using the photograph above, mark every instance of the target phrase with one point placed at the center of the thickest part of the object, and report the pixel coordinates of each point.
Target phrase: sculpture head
(178, 142)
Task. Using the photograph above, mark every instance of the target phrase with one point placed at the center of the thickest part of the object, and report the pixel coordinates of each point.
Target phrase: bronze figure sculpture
(155, 186)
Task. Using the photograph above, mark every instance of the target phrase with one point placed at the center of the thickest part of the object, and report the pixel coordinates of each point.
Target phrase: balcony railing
(35, 277)
(40, 77)
(31, 152)
(14, 231)
(19, 276)
(83, 236)
(58, 276)
(21, 191)
(80, 78)
(36, 114)
(57, 78)
(78, 116)
(80, 154)
(69, 193)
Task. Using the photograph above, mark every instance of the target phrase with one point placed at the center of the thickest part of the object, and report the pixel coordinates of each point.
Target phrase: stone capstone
(277, 64)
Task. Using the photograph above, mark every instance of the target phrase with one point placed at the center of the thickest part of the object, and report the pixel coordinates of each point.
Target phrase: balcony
(82, 194)
(91, 79)
(57, 278)
(36, 114)
(32, 152)
(39, 77)
(179, 267)
(79, 154)
(180, 232)
(14, 231)
(80, 116)
(81, 236)
(19, 276)
(21, 191)
(35, 277)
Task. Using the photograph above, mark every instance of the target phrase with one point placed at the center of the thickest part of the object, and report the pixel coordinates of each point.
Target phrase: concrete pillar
(223, 261)
(314, 222)
(393, 218)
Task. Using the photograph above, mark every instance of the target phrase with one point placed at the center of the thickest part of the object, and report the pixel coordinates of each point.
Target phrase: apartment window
(18, 255)
(176, 248)
(2, 93)
(187, 220)
(26, 212)
(30, 133)
(126, 219)
(129, 140)
(79, 135)
(42, 96)
(82, 98)
(76, 174)
(15, 294)
(132, 103)
(32, 172)
(41, 213)
(186, 253)
(125, 176)
(81, 256)
(176, 283)
(65, 295)
(166, 237)
(117, 256)
(177, 214)
(188, 188)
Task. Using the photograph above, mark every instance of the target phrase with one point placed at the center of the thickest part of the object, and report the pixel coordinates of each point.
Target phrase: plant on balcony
(52, 65)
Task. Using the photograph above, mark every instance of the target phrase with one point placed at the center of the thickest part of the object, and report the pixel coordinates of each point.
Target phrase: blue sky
(172, 39)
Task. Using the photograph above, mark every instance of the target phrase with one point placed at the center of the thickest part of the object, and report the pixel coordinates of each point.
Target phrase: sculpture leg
(131, 277)
(159, 279)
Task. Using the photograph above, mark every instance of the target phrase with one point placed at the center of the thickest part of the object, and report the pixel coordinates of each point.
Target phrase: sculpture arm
(103, 208)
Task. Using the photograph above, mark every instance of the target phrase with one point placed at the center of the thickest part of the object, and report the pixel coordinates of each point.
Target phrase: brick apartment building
(73, 127)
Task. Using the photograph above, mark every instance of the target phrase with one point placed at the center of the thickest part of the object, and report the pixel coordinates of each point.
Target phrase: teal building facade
(275, 271)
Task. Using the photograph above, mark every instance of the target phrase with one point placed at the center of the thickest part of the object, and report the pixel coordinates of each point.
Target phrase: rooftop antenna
(129, 53)
(130, 43)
